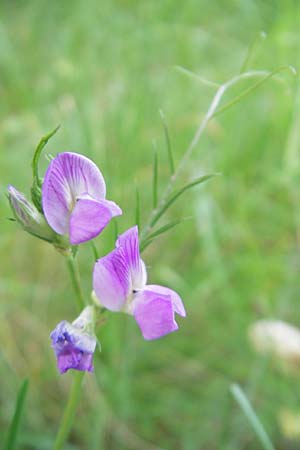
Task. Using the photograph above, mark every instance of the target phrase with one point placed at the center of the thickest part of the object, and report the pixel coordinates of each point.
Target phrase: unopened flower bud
(28, 216)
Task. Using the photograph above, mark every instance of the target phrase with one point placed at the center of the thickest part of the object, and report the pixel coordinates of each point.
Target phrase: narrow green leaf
(15, 423)
(254, 421)
(168, 142)
(248, 91)
(164, 229)
(176, 195)
(155, 180)
(37, 154)
(116, 231)
(144, 244)
(258, 38)
(150, 238)
(203, 80)
(94, 250)
(137, 208)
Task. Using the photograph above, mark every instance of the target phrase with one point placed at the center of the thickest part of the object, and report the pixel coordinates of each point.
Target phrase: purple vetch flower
(74, 344)
(73, 198)
(119, 282)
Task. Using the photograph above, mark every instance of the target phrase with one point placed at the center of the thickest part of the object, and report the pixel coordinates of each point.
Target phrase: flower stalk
(68, 417)
(75, 279)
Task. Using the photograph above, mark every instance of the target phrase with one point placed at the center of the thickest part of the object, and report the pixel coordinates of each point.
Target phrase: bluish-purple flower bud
(74, 344)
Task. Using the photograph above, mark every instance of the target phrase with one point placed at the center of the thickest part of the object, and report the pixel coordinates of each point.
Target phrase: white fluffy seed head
(277, 338)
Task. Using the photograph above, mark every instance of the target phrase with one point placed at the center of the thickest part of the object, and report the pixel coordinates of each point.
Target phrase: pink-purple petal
(177, 302)
(129, 241)
(154, 314)
(75, 359)
(73, 347)
(88, 218)
(111, 280)
(68, 176)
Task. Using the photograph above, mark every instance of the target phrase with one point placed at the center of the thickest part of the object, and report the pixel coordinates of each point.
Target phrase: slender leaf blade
(155, 180)
(252, 88)
(144, 244)
(15, 423)
(94, 250)
(251, 416)
(38, 151)
(173, 197)
(258, 38)
(164, 229)
(168, 142)
(137, 208)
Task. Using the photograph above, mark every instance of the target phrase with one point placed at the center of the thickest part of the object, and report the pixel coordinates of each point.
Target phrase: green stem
(212, 111)
(75, 278)
(68, 417)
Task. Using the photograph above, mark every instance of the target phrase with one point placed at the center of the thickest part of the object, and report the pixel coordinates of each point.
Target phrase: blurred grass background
(103, 70)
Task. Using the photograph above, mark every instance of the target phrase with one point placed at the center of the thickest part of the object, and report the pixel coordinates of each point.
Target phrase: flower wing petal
(129, 241)
(177, 302)
(89, 218)
(154, 314)
(111, 280)
(74, 349)
(68, 176)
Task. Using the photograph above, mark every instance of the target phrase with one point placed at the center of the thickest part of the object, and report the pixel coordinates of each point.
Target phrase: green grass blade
(150, 238)
(203, 80)
(164, 229)
(177, 194)
(38, 151)
(137, 208)
(15, 423)
(94, 250)
(168, 142)
(155, 180)
(252, 88)
(258, 38)
(116, 231)
(144, 244)
(252, 418)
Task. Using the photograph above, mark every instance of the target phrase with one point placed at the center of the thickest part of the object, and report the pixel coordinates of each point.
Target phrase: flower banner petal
(68, 176)
(129, 241)
(154, 314)
(111, 280)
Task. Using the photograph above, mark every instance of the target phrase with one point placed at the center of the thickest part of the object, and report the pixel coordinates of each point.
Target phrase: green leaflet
(155, 180)
(137, 208)
(258, 38)
(168, 142)
(36, 194)
(38, 151)
(144, 243)
(15, 423)
(252, 88)
(253, 420)
(175, 195)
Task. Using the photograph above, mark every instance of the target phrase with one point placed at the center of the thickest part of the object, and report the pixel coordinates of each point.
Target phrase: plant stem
(212, 111)
(75, 278)
(70, 410)
(68, 417)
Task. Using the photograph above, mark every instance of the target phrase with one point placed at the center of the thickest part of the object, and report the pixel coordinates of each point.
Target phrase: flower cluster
(73, 210)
